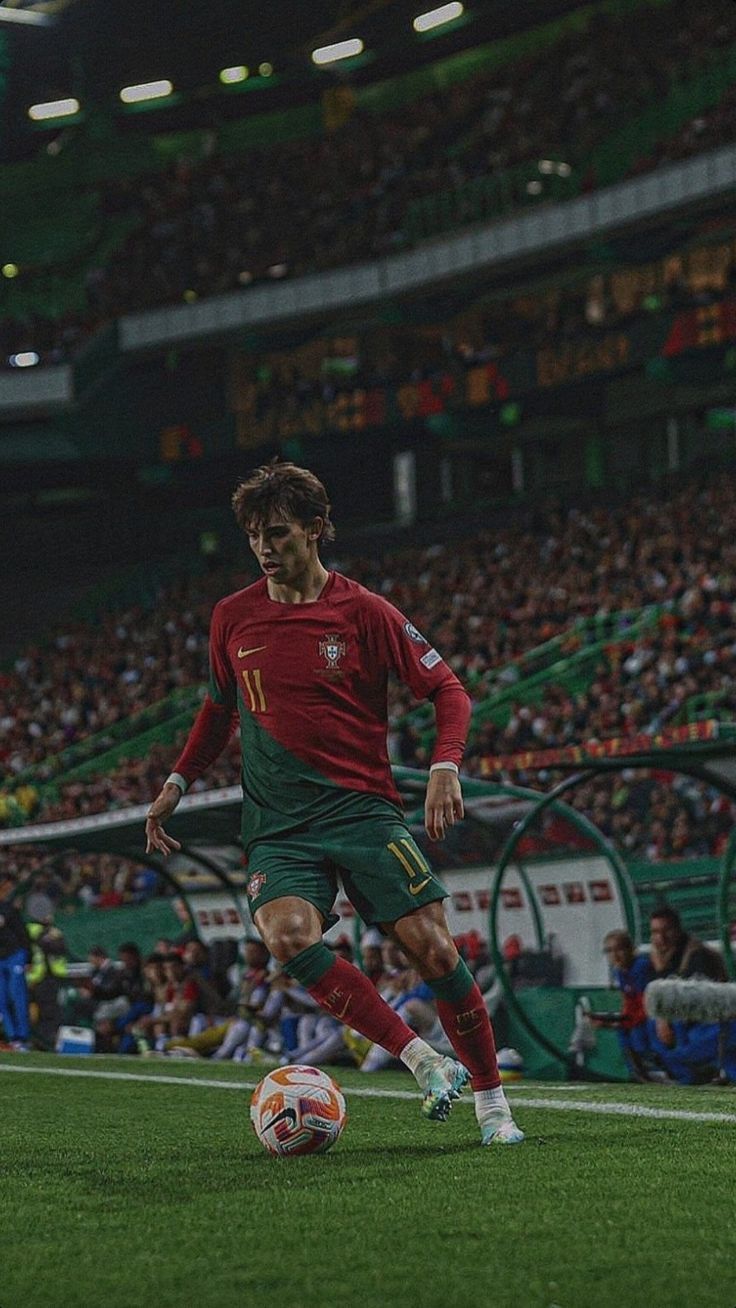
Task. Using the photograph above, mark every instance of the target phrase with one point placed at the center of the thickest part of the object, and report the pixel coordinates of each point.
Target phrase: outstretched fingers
(157, 839)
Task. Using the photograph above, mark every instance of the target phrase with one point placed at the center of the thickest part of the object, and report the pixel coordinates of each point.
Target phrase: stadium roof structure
(90, 50)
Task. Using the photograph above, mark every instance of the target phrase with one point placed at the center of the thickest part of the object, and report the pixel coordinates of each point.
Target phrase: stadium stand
(534, 129)
(652, 581)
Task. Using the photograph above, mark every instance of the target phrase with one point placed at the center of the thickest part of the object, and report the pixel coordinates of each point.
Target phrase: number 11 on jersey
(252, 681)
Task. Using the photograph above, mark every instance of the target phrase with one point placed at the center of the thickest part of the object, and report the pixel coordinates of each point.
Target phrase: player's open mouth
(270, 567)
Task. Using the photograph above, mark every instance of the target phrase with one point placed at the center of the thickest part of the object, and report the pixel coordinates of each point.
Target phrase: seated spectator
(406, 992)
(674, 952)
(115, 1016)
(698, 1052)
(94, 989)
(631, 973)
(246, 1030)
(197, 965)
(142, 1028)
(181, 1000)
(688, 1051)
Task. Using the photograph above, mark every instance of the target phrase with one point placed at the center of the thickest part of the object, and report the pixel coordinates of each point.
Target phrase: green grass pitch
(116, 1193)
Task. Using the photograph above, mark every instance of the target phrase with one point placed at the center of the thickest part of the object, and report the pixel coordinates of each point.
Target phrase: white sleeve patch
(431, 658)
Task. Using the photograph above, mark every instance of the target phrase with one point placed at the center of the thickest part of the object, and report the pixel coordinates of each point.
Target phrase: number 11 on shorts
(412, 863)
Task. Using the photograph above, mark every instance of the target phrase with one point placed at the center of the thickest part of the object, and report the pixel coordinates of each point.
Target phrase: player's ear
(315, 528)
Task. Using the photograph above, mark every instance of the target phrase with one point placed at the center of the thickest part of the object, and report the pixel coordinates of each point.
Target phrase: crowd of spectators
(93, 674)
(484, 602)
(222, 1001)
(68, 880)
(327, 202)
(218, 225)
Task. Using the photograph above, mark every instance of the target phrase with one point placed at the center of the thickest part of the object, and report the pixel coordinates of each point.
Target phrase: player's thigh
(291, 889)
(384, 872)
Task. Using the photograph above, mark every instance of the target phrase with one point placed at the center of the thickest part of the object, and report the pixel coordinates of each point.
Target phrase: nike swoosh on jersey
(414, 890)
(243, 653)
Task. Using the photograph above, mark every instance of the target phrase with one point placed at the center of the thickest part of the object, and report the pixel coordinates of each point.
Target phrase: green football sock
(310, 965)
(454, 987)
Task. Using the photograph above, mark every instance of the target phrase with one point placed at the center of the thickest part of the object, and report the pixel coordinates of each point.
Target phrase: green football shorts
(383, 871)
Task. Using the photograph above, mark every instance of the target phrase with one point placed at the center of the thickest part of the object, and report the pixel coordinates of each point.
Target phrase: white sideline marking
(612, 1109)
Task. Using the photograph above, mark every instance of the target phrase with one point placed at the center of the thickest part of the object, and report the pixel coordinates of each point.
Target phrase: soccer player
(302, 657)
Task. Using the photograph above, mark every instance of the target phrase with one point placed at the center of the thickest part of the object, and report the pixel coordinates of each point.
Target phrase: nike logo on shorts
(414, 890)
(243, 653)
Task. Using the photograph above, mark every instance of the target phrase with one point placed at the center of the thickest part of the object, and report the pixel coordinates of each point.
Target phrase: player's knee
(289, 939)
(288, 929)
(438, 956)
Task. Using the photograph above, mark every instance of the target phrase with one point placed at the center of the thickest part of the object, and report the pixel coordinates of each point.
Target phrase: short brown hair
(282, 490)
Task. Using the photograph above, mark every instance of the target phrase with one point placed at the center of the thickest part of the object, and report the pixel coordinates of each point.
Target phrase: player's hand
(159, 812)
(443, 806)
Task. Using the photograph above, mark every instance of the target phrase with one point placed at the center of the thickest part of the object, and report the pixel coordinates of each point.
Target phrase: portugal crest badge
(256, 882)
(332, 648)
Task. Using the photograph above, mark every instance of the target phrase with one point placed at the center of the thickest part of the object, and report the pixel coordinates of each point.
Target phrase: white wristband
(176, 779)
(451, 767)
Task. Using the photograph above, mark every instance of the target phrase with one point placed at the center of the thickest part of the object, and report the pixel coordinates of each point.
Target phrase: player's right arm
(211, 730)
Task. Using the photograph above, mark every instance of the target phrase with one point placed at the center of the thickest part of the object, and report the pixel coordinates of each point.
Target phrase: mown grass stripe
(612, 1109)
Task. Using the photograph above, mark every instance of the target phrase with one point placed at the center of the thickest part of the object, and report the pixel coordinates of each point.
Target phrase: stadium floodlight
(53, 109)
(436, 17)
(329, 54)
(26, 359)
(146, 91)
(10, 270)
(265, 69)
(229, 76)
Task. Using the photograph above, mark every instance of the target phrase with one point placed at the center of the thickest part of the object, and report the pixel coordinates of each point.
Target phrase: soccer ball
(297, 1110)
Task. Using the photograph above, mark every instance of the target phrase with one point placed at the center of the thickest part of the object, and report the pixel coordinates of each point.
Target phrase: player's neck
(305, 589)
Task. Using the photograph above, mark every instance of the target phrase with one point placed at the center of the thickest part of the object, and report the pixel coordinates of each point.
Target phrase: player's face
(284, 548)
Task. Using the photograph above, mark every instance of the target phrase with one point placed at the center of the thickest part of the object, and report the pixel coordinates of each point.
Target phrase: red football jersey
(309, 682)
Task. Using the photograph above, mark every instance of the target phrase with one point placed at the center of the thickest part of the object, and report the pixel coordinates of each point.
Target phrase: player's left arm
(443, 804)
(426, 674)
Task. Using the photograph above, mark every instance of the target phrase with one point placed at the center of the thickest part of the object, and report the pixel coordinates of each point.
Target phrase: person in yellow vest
(46, 972)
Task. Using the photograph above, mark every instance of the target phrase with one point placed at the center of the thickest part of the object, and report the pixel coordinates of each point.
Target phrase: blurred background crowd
(532, 127)
(488, 603)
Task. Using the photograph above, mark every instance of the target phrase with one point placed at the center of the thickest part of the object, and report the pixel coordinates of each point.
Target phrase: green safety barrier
(574, 671)
(699, 708)
(485, 198)
(663, 118)
(94, 748)
(165, 733)
(552, 1009)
